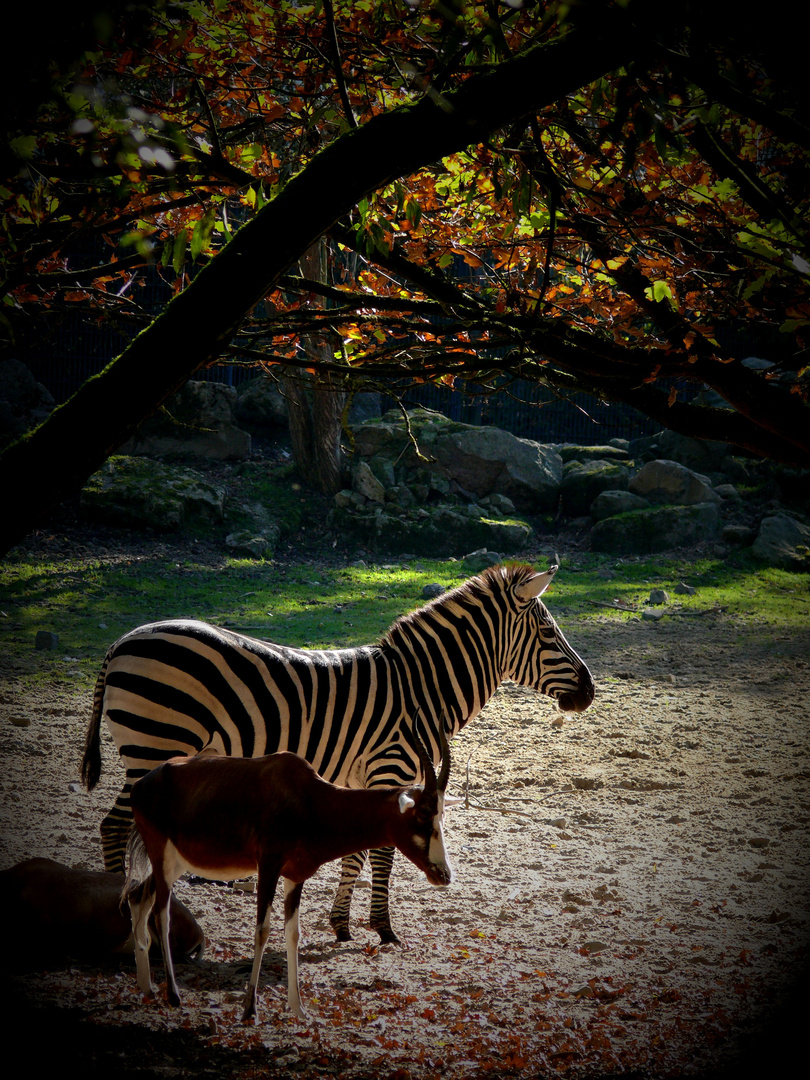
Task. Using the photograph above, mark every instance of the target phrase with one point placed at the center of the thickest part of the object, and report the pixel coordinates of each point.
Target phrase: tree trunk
(315, 405)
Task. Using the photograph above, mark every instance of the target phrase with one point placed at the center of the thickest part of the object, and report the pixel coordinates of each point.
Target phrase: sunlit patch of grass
(336, 608)
(90, 603)
(739, 585)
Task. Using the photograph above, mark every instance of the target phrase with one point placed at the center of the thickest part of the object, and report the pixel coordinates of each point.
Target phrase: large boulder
(664, 481)
(642, 532)
(700, 455)
(583, 481)
(453, 457)
(139, 493)
(490, 461)
(24, 402)
(609, 503)
(572, 452)
(196, 423)
(260, 406)
(783, 541)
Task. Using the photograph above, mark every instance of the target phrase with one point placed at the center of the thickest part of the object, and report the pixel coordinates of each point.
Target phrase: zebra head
(538, 654)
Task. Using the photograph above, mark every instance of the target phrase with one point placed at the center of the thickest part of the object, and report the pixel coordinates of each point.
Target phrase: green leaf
(660, 290)
(201, 236)
(24, 146)
(179, 251)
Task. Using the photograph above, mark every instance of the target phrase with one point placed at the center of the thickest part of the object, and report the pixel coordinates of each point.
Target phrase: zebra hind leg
(382, 861)
(339, 915)
(115, 831)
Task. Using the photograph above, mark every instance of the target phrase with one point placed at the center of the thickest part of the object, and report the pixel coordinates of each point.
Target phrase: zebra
(181, 687)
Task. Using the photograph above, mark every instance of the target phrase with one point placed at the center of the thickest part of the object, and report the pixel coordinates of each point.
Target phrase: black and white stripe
(180, 687)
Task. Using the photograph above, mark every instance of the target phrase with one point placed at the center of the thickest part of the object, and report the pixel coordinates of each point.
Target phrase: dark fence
(76, 346)
(535, 412)
(524, 408)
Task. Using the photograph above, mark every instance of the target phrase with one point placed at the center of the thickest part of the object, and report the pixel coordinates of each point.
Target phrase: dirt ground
(630, 897)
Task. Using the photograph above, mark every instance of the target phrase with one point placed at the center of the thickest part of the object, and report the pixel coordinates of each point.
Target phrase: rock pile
(432, 486)
(437, 486)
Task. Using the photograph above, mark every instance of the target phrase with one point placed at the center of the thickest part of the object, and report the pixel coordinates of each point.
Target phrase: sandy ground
(631, 890)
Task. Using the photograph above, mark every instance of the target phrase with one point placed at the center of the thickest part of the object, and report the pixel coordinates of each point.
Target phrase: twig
(411, 437)
(336, 63)
(703, 611)
(468, 803)
(613, 607)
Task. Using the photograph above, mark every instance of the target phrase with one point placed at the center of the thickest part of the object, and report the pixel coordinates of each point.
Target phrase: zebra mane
(494, 579)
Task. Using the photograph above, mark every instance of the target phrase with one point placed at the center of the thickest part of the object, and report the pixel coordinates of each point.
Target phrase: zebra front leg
(339, 916)
(382, 861)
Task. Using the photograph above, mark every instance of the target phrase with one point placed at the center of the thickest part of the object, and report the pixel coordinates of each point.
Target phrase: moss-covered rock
(438, 531)
(642, 532)
(783, 541)
(583, 481)
(143, 494)
(478, 461)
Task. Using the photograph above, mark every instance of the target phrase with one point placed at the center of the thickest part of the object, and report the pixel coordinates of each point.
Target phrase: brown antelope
(225, 818)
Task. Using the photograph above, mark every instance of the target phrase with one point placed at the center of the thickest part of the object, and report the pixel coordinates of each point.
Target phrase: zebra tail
(91, 762)
(138, 866)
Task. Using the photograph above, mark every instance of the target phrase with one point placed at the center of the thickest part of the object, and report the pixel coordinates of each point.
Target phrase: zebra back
(178, 687)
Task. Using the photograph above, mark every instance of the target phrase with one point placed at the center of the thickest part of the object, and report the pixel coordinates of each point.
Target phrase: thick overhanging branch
(351, 301)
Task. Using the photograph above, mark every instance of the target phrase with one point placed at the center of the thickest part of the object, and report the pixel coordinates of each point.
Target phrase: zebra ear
(536, 585)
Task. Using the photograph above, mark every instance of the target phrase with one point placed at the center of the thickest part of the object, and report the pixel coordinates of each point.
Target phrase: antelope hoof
(250, 1014)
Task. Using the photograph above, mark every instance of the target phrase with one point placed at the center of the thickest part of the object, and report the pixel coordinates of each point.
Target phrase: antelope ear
(453, 800)
(536, 585)
(405, 802)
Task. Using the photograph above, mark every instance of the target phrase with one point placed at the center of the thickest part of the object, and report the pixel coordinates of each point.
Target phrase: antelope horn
(431, 783)
(424, 756)
(444, 775)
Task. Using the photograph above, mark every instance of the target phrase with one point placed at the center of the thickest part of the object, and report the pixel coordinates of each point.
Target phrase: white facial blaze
(437, 852)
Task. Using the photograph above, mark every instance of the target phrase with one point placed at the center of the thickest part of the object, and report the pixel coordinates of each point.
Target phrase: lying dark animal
(52, 912)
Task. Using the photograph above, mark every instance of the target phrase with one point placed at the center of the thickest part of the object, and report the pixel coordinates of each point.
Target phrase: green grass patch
(739, 584)
(90, 603)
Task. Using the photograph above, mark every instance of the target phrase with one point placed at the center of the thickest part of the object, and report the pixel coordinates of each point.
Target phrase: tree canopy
(607, 197)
